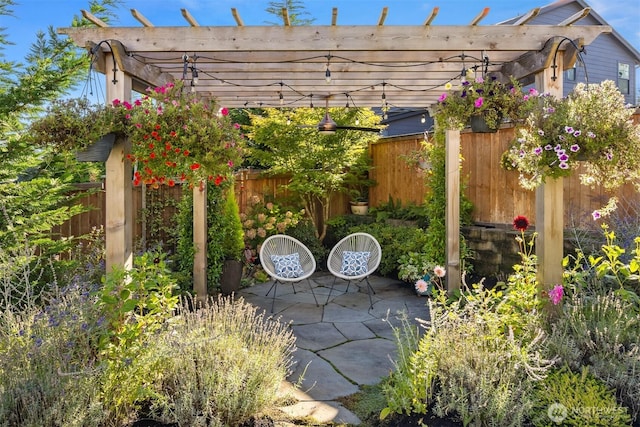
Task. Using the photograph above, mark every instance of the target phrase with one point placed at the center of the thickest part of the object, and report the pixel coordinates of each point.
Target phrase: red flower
(151, 146)
(154, 134)
(158, 127)
(171, 183)
(152, 155)
(195, 166)
(520, 223)
(218, 180)
(186, 152)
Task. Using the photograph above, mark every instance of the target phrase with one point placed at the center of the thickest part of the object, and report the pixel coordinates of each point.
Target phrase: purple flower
(596, 215)
(563, 157)
(538, 151)
(577, 133)
(574, 148)
(557, 148)
(563, 165)
(609, 155)
(478, 102)
(540, 132)
(591, 134)
(479, 79)
(568, 129)
(442, 97)
(548, 147)
(556, 294)
(551, 110)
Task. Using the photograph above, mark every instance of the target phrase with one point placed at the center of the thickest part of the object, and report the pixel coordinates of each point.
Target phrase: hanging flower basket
(98, 151)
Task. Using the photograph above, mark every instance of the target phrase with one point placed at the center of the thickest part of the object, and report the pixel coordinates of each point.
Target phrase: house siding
(601, 57)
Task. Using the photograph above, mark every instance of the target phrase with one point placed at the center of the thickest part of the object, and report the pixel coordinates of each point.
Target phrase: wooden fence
(495, 193)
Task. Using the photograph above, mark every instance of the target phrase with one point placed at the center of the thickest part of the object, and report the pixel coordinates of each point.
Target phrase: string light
(423, 119)
(194, 75)
(280, 95)
(327, 73)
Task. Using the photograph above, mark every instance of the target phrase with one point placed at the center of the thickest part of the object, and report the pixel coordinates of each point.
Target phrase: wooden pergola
(301, 66)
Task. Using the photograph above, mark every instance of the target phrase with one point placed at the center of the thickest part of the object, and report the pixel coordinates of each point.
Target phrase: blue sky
(33, 15)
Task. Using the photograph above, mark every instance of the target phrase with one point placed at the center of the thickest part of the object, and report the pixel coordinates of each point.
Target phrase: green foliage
(119, 353)
(436, 199)
(394, 241)
(135, 304)
(216, 240)
(227, 363)
(305, 232)
(600, 331)
(576, 399)
(233, 242)
(490, 379)
(160, 231)
(316, 164)
(394, 209)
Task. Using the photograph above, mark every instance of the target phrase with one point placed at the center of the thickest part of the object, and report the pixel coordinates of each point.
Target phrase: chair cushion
(354, 263)
(287, 266)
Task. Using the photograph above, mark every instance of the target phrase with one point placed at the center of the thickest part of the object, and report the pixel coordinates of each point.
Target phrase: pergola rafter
(252, 65)
(245, 65)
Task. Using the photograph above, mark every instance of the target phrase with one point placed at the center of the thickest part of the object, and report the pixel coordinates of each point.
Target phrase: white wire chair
(357, 243)
(279, 256)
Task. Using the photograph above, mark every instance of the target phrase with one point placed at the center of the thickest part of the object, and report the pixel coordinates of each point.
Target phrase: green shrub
(601, 332)
(108, 355)
(469, 364)
(227, 362)
(576, 399)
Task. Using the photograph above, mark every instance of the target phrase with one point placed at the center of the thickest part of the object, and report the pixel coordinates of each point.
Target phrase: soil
(415, 420)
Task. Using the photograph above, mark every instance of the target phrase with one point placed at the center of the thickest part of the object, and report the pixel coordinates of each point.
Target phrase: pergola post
(118, 182)
(549, 201)
(200, 242)
(452, 219)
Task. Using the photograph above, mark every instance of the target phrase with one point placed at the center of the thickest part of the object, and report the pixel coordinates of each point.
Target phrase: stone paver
(342, 343)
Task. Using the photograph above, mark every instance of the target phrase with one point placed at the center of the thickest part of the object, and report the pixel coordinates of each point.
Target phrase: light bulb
(194, 75)
(281, 99)
(423, 119)
(327, 75)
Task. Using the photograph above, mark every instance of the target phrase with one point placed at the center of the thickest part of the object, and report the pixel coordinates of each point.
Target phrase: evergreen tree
(295, 9)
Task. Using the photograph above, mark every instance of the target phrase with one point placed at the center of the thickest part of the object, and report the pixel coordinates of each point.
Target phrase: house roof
(584, 5)
(370, 65)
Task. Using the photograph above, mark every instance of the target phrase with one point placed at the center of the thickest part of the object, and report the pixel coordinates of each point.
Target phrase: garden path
(341, 344)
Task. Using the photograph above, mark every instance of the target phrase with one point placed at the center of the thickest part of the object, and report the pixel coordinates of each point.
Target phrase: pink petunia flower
(556, 294)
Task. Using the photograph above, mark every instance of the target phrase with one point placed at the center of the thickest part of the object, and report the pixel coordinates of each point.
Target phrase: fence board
(494, 192)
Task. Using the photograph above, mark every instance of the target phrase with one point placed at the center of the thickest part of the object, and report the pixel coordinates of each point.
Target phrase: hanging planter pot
(479, 124)
(98, 151)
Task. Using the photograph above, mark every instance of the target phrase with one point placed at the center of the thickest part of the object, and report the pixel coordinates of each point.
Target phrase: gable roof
(601, 21)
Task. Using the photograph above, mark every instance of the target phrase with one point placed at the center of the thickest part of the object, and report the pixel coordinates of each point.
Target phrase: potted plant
(77, 125)
(176, 136)
(482, 103)
(357, 184)
(233, 244)
(590, 129)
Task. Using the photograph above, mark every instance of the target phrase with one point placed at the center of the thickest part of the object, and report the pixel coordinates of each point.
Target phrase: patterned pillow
(287, 266)
(354, 263)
